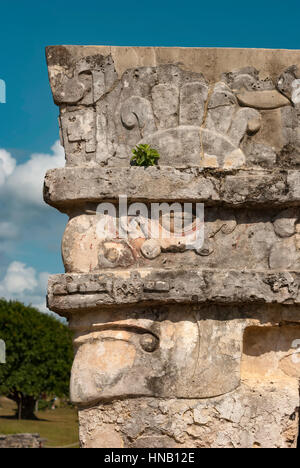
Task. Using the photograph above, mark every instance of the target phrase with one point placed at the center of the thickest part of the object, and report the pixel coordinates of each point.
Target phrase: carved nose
(149, 342)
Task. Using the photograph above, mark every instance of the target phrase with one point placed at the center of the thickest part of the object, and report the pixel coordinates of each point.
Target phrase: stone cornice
(159, 184)
(81, 292)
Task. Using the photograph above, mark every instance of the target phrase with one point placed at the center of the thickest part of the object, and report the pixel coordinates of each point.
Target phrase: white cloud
(7, 165)
(24, 182)
(24, 284)
(23, 213)
(28, 226)
(8, 230)
(18, 279)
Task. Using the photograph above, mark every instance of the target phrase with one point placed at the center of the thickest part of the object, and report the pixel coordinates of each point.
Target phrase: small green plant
(144, 155)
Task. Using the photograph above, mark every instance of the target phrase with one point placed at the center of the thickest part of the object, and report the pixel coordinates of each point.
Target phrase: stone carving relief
(188, 133)
(191, 122)
(163, 352)
(257, 241)
(83, 83)
(175, 353)
(146, 238)
(254, 240)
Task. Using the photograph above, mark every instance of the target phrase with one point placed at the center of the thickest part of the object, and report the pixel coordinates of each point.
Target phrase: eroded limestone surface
(176, 344)
(249, 418)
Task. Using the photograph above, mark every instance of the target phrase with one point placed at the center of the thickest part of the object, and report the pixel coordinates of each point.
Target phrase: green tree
(39, 356)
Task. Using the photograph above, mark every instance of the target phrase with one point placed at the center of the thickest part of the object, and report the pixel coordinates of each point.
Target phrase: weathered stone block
(21, 441)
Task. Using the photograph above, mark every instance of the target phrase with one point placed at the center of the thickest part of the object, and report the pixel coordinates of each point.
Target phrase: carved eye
(149, 342)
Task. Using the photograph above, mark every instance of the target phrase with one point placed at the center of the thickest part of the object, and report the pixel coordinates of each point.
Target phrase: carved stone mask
(171, 355)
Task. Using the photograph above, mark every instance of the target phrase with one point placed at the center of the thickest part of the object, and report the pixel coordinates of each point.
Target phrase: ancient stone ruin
(21, 441)
(178, 344)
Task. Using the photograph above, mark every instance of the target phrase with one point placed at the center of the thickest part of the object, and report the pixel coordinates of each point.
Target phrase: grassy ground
(59, 426)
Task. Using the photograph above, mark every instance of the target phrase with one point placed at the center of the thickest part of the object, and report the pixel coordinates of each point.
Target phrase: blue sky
(30, 232)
